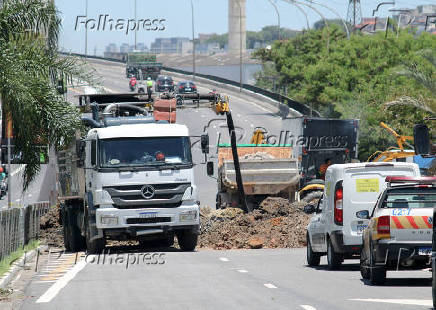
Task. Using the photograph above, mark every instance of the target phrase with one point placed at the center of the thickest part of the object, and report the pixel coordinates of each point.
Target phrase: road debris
(275, 224)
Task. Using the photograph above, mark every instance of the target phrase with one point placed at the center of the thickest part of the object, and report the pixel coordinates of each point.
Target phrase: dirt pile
(50, 231)
(275, 224)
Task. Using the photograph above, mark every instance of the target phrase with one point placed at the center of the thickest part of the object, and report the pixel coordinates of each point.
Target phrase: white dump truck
(127, 177)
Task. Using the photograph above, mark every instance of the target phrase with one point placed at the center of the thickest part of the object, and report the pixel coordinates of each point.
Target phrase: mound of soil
(275, 224)
(51, 232)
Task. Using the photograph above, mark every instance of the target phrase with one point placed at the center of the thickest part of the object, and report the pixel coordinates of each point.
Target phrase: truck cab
(131, 178)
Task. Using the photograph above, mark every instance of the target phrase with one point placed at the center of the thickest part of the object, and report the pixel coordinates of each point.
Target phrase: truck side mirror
(80, 151)
(309, 209)
(421, 139)
(205, 143)
(209, 168)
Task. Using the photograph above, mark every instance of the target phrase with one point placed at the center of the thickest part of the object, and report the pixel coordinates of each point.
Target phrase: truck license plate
(361, 228)
(148, 215)
(424, 251)
(188, 89)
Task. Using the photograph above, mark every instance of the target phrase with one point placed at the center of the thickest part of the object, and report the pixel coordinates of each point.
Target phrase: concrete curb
(18, 265)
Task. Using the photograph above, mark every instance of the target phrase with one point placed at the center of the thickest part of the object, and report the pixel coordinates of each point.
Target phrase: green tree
(30, 68)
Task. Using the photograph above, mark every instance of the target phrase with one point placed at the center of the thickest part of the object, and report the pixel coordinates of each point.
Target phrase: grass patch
(6, 263)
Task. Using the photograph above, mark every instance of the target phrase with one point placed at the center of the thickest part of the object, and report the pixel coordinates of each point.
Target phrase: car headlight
(109, 220)
(187, 195)
(102, 197)
(188, 216)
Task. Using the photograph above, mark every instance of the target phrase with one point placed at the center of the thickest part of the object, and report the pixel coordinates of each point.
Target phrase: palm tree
(425, 78)
(30, 68)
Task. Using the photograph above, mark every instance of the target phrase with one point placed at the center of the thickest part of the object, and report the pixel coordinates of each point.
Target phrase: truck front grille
(167, 195)
(148, 220)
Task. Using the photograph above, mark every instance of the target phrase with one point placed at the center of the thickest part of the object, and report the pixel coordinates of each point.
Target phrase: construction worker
(149, 87)
(323, 168)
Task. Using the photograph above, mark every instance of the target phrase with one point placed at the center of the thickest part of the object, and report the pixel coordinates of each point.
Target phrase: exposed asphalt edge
(18, 265)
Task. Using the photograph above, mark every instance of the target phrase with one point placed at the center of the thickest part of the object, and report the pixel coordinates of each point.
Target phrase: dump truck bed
(266, 170)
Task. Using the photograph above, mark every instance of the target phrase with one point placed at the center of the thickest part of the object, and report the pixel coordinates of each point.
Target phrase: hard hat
(149, 78)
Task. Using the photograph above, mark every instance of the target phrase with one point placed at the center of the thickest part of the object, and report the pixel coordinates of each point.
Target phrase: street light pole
(135, 25)
(278, 17)
(86, 29)
(193, 42)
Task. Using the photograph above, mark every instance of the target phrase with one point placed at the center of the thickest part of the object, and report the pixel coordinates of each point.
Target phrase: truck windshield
(413, 197)
(142, 152)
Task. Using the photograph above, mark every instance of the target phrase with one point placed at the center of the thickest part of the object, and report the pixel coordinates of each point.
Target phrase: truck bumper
(337, 239)
(398, 252)
(136, 222)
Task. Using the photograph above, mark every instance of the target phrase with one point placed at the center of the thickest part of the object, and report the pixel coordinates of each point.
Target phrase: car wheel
(377, 274)
(364, 270)
(334, 259)
(313, 259)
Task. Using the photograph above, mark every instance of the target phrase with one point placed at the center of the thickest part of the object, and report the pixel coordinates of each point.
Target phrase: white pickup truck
(399, 234)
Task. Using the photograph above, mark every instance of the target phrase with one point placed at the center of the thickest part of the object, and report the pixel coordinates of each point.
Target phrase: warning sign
(367, 185)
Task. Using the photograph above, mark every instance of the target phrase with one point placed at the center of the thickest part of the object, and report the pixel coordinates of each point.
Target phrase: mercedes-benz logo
(147, 191)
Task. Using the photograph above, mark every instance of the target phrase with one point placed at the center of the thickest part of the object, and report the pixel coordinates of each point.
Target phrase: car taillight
(339, 211)
(384, 225)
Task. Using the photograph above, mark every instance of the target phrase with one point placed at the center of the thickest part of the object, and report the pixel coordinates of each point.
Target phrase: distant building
(175, 45)
(426, 9)
(111, 48)
(124, 48)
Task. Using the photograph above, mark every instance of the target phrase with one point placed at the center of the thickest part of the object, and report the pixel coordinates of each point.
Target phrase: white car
(335, 229)
(399, 235)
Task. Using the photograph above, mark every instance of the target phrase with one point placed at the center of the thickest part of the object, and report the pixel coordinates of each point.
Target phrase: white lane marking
(269, 285)
(61, 283)
(238, 115)
(203, 115)
(414, 302)
(224, 259)
(18, 170)
(251, 125)
(246, 120)
(242, 271)
(17, 199)
(30, 195)
(307, 307)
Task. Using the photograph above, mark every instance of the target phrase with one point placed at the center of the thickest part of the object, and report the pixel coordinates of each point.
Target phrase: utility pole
(8, 136)
(86, 29)
(136, 18)
(354, 15)
(193, 41)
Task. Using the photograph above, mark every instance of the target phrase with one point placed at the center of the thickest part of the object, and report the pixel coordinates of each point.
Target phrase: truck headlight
(188, 216)
(102, 197)
(109, 220)
(187, 195)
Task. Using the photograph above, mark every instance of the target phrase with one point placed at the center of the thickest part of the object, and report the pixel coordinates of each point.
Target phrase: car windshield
(141, 152)
(413, 197)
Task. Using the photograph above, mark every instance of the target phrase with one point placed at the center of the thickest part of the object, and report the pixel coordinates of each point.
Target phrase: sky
(210, 16)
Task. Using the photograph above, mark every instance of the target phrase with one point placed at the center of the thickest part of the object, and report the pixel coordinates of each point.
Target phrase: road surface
(206, 279)
(242, 279)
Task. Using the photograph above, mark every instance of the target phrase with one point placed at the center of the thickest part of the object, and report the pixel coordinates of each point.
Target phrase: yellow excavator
(394, 153)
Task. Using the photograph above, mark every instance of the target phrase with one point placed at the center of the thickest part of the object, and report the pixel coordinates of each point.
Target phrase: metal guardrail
(291, 103)
(18, 226)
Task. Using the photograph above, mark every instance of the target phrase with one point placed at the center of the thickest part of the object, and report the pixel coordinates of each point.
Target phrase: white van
(335, 229)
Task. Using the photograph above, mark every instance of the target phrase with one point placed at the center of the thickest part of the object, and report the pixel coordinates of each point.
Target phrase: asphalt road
(243, 279)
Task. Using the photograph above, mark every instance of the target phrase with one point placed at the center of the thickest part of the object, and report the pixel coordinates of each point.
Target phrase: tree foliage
(29, 70)
(355, 78)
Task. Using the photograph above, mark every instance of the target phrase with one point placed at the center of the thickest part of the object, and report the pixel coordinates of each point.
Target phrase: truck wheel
(377, 275)
(187, 240)
(96, 246)
(364, 270)
(313, 259)
(312, 197)
(66, 235)
(334, 260)
(75, 239)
